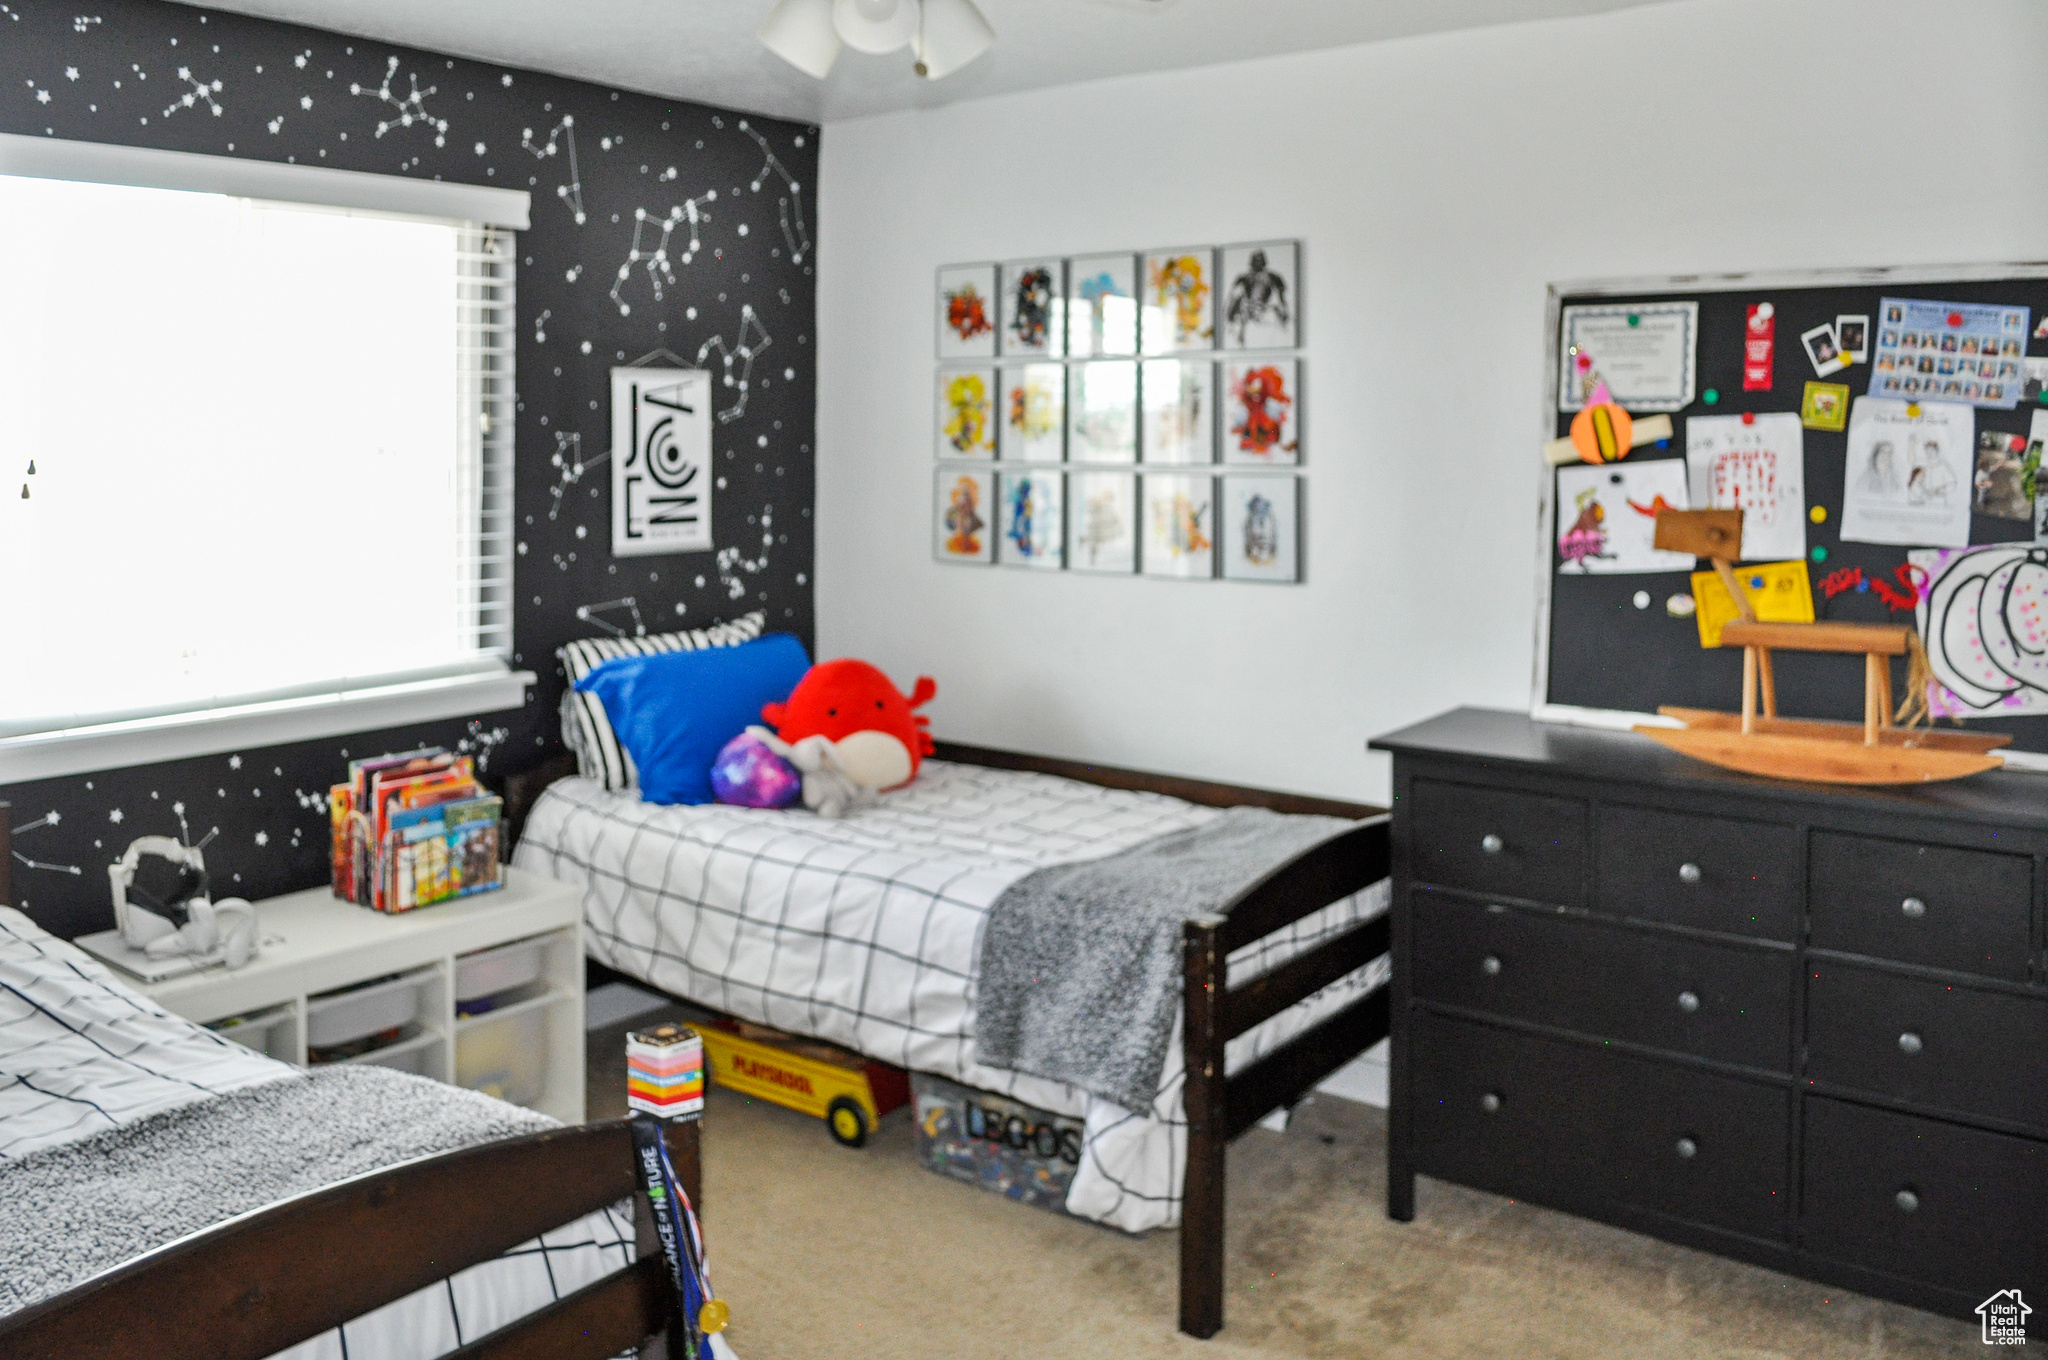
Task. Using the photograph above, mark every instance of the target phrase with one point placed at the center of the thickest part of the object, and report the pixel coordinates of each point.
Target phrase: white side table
(318, 952)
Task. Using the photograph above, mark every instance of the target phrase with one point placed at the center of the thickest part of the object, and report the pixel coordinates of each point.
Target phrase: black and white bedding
(95, 1079)
(866, 932)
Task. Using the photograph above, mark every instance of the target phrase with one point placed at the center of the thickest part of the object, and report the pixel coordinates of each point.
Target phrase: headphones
(179, 918)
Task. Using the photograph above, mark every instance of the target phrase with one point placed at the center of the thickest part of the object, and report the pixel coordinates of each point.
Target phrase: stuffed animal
(851, 732)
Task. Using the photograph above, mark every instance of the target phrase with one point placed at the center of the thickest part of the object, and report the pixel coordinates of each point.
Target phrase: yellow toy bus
(847, 1091)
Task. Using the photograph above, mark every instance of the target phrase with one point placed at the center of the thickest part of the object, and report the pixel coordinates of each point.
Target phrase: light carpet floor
(824, 1251)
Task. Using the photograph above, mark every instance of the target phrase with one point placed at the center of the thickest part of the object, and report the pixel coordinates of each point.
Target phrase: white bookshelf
(318, 951)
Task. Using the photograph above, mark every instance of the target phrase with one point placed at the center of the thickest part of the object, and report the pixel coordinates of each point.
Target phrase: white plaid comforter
(81, 1053)
(866, 931)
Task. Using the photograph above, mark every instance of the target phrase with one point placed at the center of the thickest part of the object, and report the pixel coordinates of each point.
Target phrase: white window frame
(487, 258)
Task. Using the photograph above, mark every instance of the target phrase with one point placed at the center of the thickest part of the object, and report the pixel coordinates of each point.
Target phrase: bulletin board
(1614, 638)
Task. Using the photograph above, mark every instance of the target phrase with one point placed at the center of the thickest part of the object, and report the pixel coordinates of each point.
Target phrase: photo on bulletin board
(1032, 422)
(1262, 411)
(1178, 292)
(1180, 410)
(1031, 514)
(966, 504)
(1180, 526)
(1032, 320)
(967, 311)
(1951, 351)
(967, 412)
(1102, 305)
(1102, 411)
(1104, 522)
(1261, 296)
(1261, 527)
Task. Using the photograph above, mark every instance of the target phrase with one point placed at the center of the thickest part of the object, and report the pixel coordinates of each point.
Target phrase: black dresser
(1802, 1026)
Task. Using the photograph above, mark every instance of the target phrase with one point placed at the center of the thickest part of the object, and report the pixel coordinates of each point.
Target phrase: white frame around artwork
(1546, 509)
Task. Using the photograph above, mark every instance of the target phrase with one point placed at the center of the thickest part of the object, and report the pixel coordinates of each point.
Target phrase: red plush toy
(851, 732)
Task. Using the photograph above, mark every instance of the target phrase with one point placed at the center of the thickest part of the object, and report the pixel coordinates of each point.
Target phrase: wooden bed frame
(1214, 1013)
(254, 1285)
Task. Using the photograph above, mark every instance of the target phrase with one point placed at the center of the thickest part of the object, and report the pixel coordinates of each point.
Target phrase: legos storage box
(996, 1143)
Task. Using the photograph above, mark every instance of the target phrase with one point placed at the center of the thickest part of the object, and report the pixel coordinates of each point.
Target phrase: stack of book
(414, 828)
(665, 1072)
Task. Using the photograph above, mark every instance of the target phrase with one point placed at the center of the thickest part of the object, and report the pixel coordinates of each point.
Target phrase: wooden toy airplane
(1814, 750)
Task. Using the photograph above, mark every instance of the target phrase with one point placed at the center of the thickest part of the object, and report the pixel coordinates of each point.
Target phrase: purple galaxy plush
(748, 773)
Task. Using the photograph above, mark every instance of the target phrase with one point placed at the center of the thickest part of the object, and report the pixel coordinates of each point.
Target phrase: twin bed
(864, 932)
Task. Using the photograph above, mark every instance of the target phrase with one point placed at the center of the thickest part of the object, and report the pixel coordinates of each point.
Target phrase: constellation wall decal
(753, 338)
(202, 90)
(47, 819)
(571, 193)
(568, 460)
(411, 109)
(799, 239)
(732, 564)
(656, 259)
(589, 614)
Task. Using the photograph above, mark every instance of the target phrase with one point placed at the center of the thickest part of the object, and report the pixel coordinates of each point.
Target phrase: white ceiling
(705, 50)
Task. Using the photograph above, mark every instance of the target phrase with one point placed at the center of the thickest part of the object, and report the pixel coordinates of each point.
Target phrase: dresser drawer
(1981, 1053)
(1511, 844)
(1969, 910)
(1580, 1127)
(1954, 1207)
(1710, 873)
(1723, 1001)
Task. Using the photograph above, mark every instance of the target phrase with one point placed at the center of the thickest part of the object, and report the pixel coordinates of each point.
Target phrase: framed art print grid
(1123, 413)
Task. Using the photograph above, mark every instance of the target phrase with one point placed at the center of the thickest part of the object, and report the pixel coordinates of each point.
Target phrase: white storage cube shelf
(485, 992)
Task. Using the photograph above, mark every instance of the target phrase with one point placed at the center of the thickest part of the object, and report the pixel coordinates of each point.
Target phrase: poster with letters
(1755, 464)
(661, 461)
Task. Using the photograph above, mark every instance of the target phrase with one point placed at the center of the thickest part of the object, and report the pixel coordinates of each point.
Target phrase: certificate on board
(1645, 353)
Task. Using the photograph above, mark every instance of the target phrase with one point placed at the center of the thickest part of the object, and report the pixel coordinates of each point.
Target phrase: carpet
(819, 1248)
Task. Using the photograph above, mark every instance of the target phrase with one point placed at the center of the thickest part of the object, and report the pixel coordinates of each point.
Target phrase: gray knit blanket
(69, 1212)
(1081, 963)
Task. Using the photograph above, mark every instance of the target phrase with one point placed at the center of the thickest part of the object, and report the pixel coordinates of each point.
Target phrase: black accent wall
(164, 75)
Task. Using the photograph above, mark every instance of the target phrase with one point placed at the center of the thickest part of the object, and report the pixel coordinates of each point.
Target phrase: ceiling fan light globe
(954, 33)
(875, 26)
(801, 33)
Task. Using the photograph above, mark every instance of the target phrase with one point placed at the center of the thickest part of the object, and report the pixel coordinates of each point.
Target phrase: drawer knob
(1913, 907)
(1688, 1002)
(1490, 965)
(1688, 1148)
(1907, 1201)
(1490, 1102)
(1688, 872)
(1492, 844)
(1909, 1043)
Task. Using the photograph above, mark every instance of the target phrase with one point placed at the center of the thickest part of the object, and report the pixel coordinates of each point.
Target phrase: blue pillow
(674, 711)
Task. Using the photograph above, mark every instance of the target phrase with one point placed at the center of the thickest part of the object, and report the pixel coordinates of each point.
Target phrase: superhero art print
(1262, 295)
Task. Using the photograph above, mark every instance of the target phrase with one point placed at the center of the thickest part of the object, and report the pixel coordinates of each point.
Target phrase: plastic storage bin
(490, 971)
(504, 1056)
(343, 1017)
(1002, 1145)
(411, 1059)
(269, 1032)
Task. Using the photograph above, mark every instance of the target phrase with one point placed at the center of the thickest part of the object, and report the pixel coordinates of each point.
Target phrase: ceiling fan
(943, 35)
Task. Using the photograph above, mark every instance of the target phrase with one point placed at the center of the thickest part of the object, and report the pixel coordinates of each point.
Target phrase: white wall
(1438, 184)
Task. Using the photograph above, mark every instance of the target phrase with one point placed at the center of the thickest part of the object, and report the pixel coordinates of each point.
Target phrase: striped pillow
(586, 730)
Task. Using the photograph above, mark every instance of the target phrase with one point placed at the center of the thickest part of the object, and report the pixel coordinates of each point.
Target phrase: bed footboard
(258, 1284)
(1219, 1108)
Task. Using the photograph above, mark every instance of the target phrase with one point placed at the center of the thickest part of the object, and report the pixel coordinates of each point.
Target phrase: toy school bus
(847, 1091)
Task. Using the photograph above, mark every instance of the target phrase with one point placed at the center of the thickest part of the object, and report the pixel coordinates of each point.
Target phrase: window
(261, 460)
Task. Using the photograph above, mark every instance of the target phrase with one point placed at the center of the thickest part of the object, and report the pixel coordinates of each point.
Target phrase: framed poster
(1102, 411)
(966, 311)
(1178, 301)
(1104, 520)
(1032, 318)
(966, 501)
(1180, 526)
(1032, 413)
(1261, 527)
(661, 461)
(1262, 411)
(1102, 305)
(1180, 410)
(1261, 299)
(967, 413)
(1031, 511)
